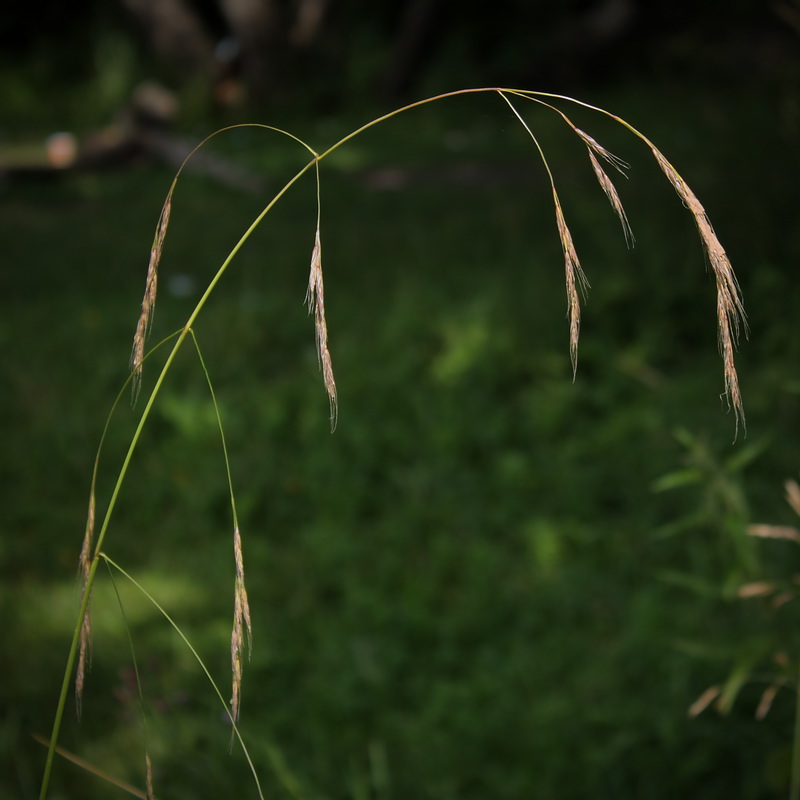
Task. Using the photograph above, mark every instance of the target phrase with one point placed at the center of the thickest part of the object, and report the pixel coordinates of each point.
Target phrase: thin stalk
(218, 415)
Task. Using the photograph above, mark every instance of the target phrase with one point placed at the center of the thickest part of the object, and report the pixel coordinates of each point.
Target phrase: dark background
(330, 54)
(492, 581)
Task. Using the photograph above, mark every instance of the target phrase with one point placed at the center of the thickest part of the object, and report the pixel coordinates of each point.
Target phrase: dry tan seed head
(774, 532)
(88, 538)
(575, 280)
(241, 623)
(613, 197)
(606, 155)
(149, 299)
(84, 658)
(315, 298)
(606, 184)
(765, 704)
(149, 777)
(730, 311)
(704, 701)
(84, 566)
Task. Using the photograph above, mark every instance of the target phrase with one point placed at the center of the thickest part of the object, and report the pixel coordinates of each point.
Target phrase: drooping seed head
(242, 628)
(575, 280)
(730, 310)
(315, 299)
(84, 565)
(611, 193)
(149, 300)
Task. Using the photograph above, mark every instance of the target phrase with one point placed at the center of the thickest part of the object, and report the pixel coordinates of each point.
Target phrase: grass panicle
(148, 777)
(241, 625)
(595, 149)
(150, 291)
(315, 299)
(575, 277)
(576, 282)
(85, 563)
(606, 184)
(730, 310)
(731, 317)
(730, 320)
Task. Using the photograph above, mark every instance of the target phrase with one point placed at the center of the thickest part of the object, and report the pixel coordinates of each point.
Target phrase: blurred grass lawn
(459, 593)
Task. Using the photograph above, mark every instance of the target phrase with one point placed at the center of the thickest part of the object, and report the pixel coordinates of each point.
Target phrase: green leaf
(747, 454)
(693, 583)
(674, 480)
(739, 675)
(691, 522)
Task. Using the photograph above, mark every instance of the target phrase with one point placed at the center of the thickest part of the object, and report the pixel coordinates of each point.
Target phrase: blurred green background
(491, 581)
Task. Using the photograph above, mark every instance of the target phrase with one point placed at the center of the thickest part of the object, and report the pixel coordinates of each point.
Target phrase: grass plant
(729, 321)
(768, 661)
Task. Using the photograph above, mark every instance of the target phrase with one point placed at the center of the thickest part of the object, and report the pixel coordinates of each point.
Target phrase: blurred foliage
(83, 59)
(467, 590)
(762, 576)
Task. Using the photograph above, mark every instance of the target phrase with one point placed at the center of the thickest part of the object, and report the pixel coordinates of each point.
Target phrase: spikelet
(730, 311)
(86, 624)
(241, 623)
(149, 777)
(315, 299)
(606, 184)
(149, 299)
(575, 279)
